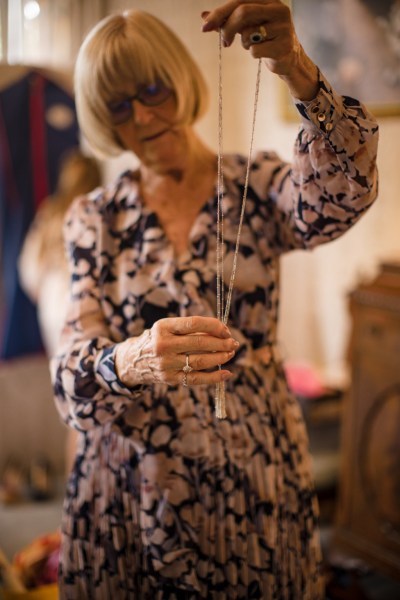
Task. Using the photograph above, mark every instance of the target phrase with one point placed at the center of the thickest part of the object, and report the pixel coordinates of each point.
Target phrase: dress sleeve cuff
(106, 374)
(324, 111)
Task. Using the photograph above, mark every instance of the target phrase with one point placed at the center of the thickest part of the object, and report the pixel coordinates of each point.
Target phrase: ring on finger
(187, 368)
(184, 380)
(259, 36)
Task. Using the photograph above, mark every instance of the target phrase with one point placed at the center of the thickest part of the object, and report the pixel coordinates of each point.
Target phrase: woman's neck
(177, 198)
(197, 169)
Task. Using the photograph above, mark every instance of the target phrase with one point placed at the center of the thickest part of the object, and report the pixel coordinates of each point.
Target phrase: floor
(359, 586)
(360, 583)
(349, 578)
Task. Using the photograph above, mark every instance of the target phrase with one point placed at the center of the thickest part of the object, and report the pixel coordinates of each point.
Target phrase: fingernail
(207, 26)
(236, 343)
(226, 375)
(226, 333)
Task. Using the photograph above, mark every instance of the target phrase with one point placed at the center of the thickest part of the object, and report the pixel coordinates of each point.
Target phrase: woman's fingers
(267, 31)
(169, 346)
(218, 17)
(197, 344)
(246, 16)
(189, 325)
(191, 334)
(197, 362)
(202, 377)
(238, 12)
(200, 362)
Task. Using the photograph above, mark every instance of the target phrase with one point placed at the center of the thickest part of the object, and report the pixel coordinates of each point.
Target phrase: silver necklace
(224, 304)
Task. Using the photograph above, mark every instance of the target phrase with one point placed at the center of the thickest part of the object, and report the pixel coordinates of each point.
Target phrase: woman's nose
(142, 114)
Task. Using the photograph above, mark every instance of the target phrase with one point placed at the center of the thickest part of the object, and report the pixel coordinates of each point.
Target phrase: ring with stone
(187, 368)
(259, 36)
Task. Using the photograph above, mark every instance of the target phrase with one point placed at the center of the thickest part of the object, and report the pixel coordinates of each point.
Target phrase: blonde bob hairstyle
(132, 48)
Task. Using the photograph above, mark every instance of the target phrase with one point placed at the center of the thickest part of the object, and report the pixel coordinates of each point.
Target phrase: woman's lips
(154, 136)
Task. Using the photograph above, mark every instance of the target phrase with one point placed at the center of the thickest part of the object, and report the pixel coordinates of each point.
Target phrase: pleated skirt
(168, 502)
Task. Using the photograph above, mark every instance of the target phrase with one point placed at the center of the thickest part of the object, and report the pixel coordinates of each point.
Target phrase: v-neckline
(184, 256)
(210, 205)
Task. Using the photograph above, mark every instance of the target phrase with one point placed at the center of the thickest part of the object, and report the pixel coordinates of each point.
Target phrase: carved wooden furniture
(368, 519)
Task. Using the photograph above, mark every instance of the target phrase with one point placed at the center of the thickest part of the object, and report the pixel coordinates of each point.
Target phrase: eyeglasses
(150, 95)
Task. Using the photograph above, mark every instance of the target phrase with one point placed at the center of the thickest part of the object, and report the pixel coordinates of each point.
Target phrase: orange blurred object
(37, 563)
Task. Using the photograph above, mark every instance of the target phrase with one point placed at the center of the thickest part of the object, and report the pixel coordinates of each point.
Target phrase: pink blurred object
(49, 573)
(304, 380)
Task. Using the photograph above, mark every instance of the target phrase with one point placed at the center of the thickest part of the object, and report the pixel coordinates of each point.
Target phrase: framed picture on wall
(356, 44)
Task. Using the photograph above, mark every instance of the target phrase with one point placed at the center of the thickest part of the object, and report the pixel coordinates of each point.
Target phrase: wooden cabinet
(368, 519)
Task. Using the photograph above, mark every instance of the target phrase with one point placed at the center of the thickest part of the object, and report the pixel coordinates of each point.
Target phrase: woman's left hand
(281, 49)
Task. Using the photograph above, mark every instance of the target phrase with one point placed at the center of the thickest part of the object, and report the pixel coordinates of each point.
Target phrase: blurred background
(340, 304)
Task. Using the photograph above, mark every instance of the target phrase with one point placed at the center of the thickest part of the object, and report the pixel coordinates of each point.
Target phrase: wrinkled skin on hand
(159, 354)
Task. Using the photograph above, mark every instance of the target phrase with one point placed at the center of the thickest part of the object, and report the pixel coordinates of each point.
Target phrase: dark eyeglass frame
(151, 94)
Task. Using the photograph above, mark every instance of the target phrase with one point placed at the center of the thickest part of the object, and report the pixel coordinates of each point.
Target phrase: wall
(30, 427)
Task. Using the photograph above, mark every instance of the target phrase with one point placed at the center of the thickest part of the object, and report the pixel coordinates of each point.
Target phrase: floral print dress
(165, 500)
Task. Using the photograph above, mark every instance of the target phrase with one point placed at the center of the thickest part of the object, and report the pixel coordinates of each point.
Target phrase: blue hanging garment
(37, 126)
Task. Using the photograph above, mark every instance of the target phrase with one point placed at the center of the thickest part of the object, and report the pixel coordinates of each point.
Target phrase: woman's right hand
(280, 49)
(159, 354)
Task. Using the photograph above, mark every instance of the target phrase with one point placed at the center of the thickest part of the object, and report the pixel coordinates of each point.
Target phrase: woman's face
(151, 131)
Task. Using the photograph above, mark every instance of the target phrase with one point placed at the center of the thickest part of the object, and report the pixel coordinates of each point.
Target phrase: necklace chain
(223, 307)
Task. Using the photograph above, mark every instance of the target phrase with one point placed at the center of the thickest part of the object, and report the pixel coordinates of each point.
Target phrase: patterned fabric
(165, 501)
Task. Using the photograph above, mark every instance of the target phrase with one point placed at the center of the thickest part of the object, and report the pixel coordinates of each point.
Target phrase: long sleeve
(331, 181)
(88, 392)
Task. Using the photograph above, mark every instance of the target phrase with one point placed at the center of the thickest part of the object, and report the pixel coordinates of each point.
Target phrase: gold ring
(259, 36)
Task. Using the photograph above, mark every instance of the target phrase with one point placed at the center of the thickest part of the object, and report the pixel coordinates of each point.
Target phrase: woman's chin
(165, 160)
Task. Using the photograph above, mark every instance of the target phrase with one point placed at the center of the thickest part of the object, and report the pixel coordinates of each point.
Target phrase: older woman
(165, 500)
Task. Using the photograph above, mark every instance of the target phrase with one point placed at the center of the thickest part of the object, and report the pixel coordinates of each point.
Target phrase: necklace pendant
(220, 405)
